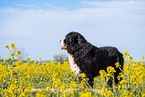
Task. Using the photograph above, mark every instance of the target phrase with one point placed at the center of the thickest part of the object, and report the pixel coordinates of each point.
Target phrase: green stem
(57, 93)
(11, 72)
(113, 84)
(122, 71)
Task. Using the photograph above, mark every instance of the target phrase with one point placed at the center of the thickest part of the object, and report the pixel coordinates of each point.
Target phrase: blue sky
(39, 25)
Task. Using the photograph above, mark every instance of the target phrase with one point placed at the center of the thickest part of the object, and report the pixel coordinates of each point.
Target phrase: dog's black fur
(91, 59)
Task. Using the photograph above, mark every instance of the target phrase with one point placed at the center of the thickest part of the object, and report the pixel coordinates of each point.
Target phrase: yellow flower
(143, 57)
(4, 61)
(73, 84)
(35, 62)
(47, 88)
(12, 54)
(63, 87)
(123, 81)
(144, 77)
(143, 95)
(13, 45)
(130, 58)
(137, 86)
(59, 77)
(65, 94)
(10, 59)
(7, 46)
(28, 58)
(87, 94)
(28, 76)
(125, 52)
(22, 94)
(4, 80)
(40, 59)
(108, 93)
(107, 75)
(102, 91)
(83, 75)
(117, 65)
(119, 87)
(98, 88)
(110, 69)
(18, 53)
(102, 72)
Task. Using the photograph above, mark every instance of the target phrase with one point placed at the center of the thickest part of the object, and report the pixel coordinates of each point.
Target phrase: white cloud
(48, 5)
(26, 5)
(125, 5)
(106, 23)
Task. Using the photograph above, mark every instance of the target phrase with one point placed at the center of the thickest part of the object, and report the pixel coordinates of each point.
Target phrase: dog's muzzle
(63, 44)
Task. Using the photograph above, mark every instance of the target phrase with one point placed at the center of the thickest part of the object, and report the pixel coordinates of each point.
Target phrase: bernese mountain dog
(89, 59)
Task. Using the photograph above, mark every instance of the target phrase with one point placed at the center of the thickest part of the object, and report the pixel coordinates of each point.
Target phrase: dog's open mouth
(63, 44)
(64, 47)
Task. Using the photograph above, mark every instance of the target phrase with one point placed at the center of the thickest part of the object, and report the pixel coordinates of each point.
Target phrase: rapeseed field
(19, 79)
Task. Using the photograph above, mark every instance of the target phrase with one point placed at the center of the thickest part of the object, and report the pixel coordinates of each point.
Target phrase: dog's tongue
(64, 47)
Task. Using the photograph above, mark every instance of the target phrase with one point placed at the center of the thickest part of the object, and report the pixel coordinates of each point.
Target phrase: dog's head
(72, 42)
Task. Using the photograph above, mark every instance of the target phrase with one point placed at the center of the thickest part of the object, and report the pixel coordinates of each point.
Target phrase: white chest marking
(73, 65)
